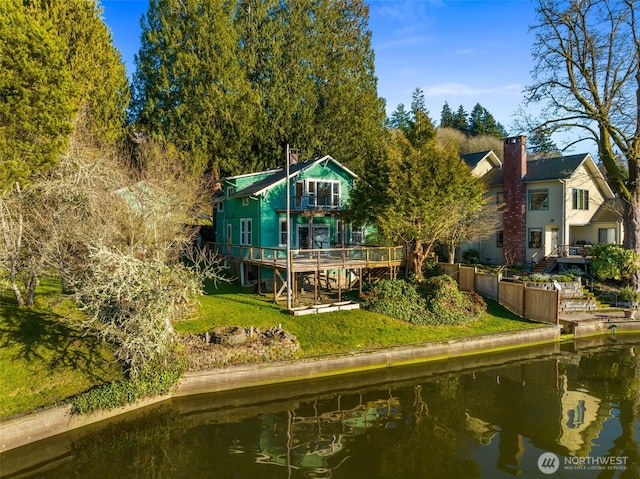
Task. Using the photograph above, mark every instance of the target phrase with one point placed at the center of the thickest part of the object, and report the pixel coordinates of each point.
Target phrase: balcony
(316, 203)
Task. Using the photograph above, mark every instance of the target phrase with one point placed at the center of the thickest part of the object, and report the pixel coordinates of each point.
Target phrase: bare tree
(120, 240)
(20, 260)
(587, 75)
(472, 225)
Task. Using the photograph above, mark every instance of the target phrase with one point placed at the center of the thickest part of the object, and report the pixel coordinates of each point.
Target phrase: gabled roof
(563, 167)
(557, 168)
(472, 159)
(279, 174)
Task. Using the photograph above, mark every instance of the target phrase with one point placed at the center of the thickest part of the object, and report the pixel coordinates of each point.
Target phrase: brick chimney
(515, 200)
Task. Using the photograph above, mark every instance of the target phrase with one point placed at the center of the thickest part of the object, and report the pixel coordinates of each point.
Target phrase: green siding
(262, 210)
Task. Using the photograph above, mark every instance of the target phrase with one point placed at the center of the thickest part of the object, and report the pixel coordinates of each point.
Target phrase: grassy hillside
(44, 358)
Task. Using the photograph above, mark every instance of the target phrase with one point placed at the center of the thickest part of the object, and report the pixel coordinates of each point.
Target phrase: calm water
(479, 417)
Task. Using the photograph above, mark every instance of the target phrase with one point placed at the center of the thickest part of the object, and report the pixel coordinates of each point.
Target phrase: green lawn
(44, 358)
(335, 332)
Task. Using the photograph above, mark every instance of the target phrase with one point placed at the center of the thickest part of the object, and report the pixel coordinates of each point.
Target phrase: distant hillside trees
(231, 83)
(478, 122)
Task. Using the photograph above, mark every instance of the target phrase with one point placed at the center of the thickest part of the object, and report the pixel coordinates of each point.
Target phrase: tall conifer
(35, 93)
(96, 67)
(190, 89)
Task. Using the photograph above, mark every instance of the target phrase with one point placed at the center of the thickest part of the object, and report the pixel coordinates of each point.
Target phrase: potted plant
(630, 296)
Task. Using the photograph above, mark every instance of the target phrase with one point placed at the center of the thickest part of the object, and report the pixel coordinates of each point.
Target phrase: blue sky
(460, 51)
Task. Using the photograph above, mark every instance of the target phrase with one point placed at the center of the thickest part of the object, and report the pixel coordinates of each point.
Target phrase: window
(338, 232)
(499, 239)
(357, 235)
(283, 232)
(535, 237)
(538, 200)
(580, 199)
(221, 206)
(500, 198)
(245, 231)
(299, 194)
(324, 193)
(245, 201)
(229, 237)
(230, 190)
(606, 235)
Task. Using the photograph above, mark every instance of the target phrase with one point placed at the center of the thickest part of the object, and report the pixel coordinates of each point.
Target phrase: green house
(250, 214)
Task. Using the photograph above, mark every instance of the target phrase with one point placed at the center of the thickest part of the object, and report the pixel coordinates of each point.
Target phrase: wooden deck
(359, 262)
(312, 260)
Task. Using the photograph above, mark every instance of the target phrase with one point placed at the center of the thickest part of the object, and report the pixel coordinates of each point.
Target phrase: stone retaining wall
(234, 345)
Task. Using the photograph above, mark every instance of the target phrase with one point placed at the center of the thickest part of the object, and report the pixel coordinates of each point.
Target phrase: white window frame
(221, 206)
(609, 235)
(230, 190)
(229, 238)
(245, 201)
(245, 231)
(334, 195)
(282, 232)
(357, 234)
(339, 240)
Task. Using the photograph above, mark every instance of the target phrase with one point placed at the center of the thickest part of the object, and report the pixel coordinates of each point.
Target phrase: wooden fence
(531, 303)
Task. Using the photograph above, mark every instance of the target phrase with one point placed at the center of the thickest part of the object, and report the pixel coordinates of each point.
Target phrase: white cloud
(462, 89)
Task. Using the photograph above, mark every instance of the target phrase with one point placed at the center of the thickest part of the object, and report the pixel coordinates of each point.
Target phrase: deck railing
(566, 250)
(326, 255)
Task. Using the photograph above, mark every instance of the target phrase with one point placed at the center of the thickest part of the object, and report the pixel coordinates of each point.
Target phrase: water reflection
(489, 421)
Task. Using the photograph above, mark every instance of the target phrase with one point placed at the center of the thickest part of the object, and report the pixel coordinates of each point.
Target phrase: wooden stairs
(545, 265)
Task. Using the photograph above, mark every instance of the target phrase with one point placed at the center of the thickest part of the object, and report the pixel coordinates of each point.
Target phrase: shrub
(398, 299)
(611, 261)
(629, 294)
(548, 278)
(446, 304)
(436, 301)
(471, 256)
(153, 381)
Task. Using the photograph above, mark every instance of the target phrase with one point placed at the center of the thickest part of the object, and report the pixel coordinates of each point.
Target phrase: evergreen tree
(481, 122)
(35, 93)
(276, 55)
(422, 129)
(189, 88)
(540, 142)
(96, 67)
(460, 120)
(400, 119)
(416, 196)
(447, 118)
(476, 120)
(300, 73)
(350, 116)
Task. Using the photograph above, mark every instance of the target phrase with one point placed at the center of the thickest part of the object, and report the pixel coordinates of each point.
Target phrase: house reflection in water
(314, 436)
(541, 404)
